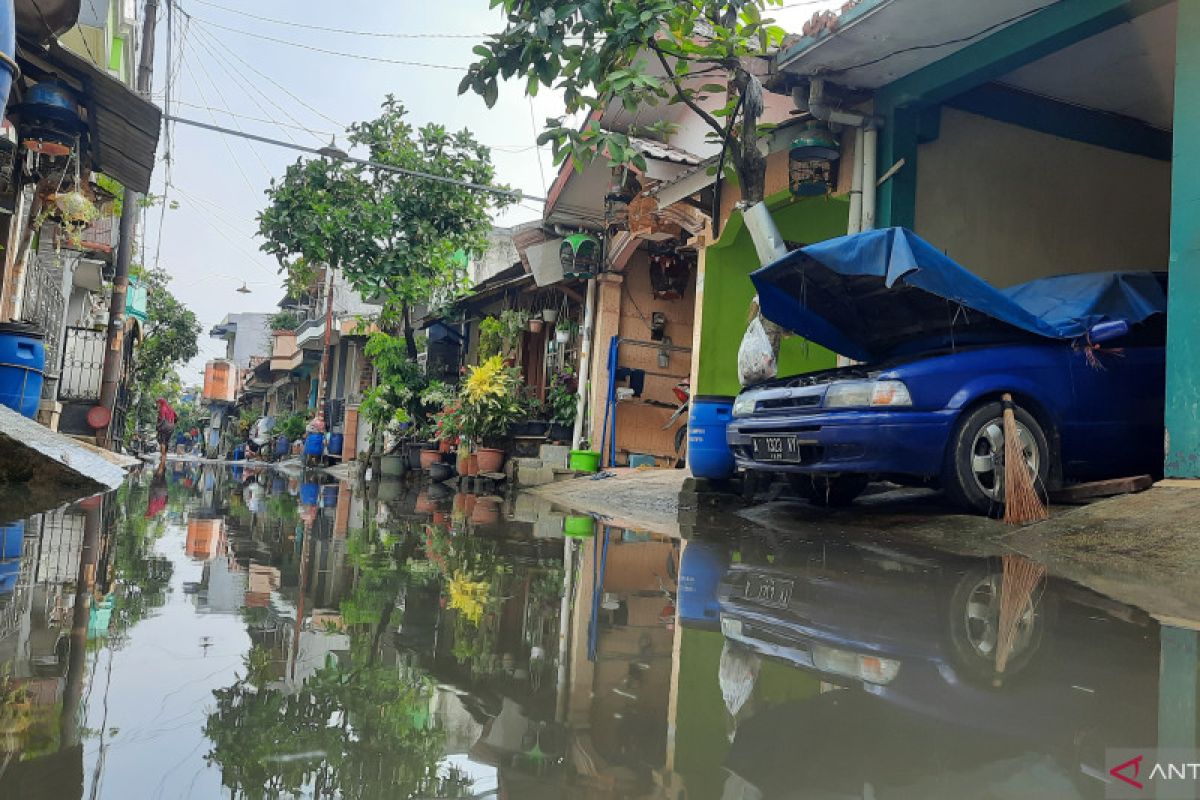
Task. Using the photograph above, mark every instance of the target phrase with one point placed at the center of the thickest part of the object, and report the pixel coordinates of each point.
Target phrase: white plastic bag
(756, 356)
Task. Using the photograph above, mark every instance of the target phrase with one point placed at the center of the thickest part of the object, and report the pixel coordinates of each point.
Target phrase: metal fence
(82, 364)
(44, 305)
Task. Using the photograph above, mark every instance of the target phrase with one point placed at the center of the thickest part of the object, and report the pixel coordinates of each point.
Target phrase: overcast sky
(228, 63)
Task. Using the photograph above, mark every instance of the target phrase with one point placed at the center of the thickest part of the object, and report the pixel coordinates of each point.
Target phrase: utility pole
(114, 350)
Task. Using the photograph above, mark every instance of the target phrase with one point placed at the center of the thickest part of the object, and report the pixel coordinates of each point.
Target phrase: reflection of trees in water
(355, 728)
(354, 732)
(137, 577)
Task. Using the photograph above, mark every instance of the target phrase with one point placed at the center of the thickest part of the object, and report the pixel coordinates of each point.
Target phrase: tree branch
(708, 118)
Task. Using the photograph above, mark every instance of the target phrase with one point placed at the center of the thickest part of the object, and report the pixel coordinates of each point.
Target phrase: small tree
(397, 236)
(598, 53)
(169, 339)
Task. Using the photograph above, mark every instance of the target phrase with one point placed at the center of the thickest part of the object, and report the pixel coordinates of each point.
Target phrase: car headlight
(890, 393)
(861, 394)
(744, 405)
(858, 666)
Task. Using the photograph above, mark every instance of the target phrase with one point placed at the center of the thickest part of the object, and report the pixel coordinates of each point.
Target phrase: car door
(1118, 416)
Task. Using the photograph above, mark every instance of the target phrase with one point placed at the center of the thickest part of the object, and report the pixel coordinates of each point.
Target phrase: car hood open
(878, 294)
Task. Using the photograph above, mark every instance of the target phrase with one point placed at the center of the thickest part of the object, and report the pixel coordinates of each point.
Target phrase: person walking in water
(165, 430)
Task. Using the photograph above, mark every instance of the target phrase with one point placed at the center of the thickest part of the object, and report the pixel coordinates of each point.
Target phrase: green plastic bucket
(579, 526)
(584, 460)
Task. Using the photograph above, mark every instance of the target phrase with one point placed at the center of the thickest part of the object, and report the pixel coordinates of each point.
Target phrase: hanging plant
(75, 212)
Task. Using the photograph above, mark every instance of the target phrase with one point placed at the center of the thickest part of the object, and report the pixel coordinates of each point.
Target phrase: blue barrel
(8, 45)
(309, 492)
(335, 444)
(22, 359)
(314, 444)
(12, 538)
(700, 573)
(9, 572)
(282, 446)
(238, 453)
(708, 452)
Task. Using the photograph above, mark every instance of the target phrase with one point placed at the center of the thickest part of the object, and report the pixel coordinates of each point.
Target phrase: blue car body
(914, 316)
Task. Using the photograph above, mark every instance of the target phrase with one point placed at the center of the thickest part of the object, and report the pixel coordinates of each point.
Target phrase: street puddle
(230, 632)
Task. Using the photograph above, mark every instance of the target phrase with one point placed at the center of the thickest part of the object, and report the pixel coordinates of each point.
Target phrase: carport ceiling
(1128, 69)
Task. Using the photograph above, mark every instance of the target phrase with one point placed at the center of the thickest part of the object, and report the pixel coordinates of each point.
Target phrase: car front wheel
(976, 458)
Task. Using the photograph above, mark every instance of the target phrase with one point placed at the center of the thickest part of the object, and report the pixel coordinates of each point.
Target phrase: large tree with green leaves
(396, 236)
(647, 52)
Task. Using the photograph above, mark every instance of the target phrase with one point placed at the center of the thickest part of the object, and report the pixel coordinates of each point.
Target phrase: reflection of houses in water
(261, 581)
(205, 537)
(222, 587)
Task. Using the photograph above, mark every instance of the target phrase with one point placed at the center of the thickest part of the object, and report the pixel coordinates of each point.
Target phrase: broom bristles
(1022, 502)
(1020, 579)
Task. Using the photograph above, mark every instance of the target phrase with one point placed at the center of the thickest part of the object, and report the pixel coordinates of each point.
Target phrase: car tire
(967, 480)
(831, 491)
(973, 628)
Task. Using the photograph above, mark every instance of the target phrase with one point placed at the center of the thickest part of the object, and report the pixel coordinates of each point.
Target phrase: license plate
(767, 591)
(776, 448)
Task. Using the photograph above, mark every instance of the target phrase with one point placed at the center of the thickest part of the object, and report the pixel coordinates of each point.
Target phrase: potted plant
(512, 326)
(535, 324)
(561, 402)
(490, 403)
(550, 315)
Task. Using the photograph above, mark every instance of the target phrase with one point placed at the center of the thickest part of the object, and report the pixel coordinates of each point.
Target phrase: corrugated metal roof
(123, 127)
(663, 152)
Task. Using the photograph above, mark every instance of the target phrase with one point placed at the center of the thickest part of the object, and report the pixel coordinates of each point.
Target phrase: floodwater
(241, 634)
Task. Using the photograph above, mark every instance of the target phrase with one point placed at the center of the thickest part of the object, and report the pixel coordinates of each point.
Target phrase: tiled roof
(663, 152)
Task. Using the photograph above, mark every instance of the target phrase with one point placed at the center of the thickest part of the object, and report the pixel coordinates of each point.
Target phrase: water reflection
(253, 633)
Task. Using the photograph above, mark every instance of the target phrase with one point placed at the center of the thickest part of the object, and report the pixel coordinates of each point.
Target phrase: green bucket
(579, 526)
(584, 460)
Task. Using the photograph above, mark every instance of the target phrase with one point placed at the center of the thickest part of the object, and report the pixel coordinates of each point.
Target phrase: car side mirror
(1107, 331)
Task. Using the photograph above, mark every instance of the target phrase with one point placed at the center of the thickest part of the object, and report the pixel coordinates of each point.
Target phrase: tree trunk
(409, 340)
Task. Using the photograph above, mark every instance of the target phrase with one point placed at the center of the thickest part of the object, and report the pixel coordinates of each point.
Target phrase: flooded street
(238, 633)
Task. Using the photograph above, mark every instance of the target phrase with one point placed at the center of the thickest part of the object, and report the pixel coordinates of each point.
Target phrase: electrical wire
(959, 40)
(325, 153)
(325, 29)
(250, 90)
(277, 123)
(325, 51)
(232, 155)
(277, 85)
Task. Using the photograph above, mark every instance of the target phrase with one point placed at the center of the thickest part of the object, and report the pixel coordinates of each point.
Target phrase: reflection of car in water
(912, 638)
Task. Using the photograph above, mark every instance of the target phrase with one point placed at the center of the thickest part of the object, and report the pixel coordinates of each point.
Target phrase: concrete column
(608, 325)
(1177, 679)
(1183, 312)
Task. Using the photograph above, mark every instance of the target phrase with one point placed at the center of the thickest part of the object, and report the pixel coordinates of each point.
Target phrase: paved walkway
(633, 498)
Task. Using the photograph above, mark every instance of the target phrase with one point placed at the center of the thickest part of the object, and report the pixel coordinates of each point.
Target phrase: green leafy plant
(490, 401)
(286, 321)
(512, 327)
(402, 239)
(490, 338)
(292, 426)
(635, 55)
(562, 397)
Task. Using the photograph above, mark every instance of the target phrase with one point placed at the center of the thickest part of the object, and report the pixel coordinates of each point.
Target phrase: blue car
(1083, 357)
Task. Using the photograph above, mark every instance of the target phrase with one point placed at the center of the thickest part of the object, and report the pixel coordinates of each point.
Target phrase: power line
(251, 118)
(277, 84)
(327, 153)
(326, 29)
(302, 46)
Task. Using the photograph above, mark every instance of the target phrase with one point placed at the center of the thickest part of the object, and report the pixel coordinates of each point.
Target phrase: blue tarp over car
(885, 293)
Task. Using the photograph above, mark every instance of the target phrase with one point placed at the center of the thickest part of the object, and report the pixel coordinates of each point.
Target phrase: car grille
(776, 403)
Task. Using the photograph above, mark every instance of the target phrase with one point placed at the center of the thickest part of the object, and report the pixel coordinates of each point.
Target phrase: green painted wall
(728, 290)
(1183, 310)
(703, 725)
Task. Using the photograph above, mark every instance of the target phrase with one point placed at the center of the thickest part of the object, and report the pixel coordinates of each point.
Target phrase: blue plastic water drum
(708, 452)
(335, 444)
(239, 452)
(22, 361)
(9, 572)
(314, 444)
(8, 45)
(700, 573)
(282, 446)
(12, 538)
(309, 493)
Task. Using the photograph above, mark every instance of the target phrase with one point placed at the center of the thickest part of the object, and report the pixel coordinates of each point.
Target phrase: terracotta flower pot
(441, 518)
(429, 458)
(469, 501)
(487, 511)
(490, 459)
(444, 446)
(424, 505)
(535, 325)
